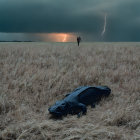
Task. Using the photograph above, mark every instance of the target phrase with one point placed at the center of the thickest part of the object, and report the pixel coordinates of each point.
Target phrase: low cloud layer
(85, 17)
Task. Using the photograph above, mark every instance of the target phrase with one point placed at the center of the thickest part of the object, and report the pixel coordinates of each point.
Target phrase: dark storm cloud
(80, 16)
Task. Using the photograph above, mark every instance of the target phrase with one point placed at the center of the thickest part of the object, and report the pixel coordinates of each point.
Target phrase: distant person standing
(78, 40)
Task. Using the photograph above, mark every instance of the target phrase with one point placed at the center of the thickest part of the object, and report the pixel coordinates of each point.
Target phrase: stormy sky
(94, 20)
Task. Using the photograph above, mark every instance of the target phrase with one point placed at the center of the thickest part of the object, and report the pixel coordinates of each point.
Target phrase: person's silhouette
(78, 40)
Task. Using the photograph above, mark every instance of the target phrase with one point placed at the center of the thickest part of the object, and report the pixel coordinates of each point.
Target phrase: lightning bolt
(65, 37)
(104, 28)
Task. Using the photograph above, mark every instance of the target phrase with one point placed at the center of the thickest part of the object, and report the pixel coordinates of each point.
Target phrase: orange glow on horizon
(65, 38)
(57, 37)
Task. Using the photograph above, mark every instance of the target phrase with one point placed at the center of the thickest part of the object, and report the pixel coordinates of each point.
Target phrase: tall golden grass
(34, 75)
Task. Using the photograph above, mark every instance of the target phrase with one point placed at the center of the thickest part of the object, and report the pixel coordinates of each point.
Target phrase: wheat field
(35, 75)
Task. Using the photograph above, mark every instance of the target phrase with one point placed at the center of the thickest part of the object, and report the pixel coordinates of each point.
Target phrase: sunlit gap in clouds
(45, 37)
(57, 37)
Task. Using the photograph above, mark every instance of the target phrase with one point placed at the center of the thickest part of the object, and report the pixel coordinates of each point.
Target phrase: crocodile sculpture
(76, 101)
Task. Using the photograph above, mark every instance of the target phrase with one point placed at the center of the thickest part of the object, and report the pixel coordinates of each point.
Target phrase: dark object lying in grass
(76, 101)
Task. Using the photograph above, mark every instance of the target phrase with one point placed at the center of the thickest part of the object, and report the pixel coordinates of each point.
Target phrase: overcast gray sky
(94, 20)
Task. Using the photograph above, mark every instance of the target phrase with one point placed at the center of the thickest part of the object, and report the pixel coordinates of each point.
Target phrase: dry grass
(34, 75)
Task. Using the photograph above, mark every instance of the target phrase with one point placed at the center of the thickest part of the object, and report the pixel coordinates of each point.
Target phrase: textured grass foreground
(34, 75)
